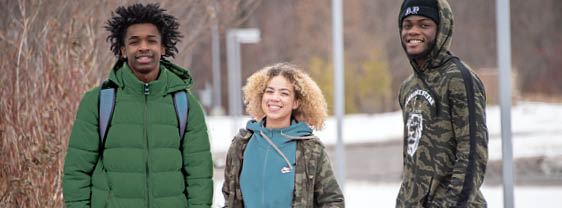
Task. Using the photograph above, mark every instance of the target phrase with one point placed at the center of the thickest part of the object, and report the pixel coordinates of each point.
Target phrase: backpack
(107, 105)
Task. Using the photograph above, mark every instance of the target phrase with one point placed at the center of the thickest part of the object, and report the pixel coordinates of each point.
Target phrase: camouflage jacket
(315, 183)
(445, 134)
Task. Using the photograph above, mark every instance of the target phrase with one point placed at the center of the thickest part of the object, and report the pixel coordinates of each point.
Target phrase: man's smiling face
(143, 48)
(418, 36)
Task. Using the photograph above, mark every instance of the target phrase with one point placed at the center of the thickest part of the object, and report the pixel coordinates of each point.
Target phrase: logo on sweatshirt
(415, 128)
(422, 93)
(285, 170)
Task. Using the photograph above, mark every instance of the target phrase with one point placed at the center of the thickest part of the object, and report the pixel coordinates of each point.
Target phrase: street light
(503, 26)
(217, 101)
(339, 96)
(234, 38)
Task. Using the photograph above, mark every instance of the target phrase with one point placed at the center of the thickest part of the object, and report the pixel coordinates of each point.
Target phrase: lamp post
(234, 38)
(339, 104)
(504, 67)
(217, 101)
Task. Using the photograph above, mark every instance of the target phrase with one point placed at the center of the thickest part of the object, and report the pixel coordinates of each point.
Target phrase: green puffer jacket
(315, 183)
(143, 163)
(445, 133)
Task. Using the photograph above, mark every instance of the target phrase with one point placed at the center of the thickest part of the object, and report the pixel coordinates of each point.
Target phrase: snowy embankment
(536, 129)
(361, 194)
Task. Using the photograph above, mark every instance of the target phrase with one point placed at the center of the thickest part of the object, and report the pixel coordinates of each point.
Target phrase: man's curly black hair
(123, 17)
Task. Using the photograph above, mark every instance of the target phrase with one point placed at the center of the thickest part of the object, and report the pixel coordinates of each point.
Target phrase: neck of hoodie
(175, 77)
(296, 129)
(277, 124)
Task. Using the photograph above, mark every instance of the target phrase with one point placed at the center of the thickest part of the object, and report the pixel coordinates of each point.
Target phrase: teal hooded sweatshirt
(266, 179)
(144, 162)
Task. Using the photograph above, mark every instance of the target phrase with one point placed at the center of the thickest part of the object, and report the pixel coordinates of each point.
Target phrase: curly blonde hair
(313, 108)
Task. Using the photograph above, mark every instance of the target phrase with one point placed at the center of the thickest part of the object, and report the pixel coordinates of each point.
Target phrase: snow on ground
(365, 194)
(359, 194)
(536, 129)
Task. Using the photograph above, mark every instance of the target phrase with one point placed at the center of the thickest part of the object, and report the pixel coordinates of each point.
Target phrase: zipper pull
(146, 89)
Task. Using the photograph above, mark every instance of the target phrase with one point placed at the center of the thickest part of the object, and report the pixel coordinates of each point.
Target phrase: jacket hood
(296, 129)
(440, 52)
(180, 79)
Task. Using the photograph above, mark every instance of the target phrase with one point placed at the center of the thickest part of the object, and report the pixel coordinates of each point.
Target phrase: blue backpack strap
(106, 106)
(182, 108)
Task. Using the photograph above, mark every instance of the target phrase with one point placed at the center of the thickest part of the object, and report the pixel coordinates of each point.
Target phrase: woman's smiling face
(278, 102)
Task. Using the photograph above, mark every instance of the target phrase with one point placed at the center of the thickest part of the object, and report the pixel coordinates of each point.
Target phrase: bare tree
(536, 46)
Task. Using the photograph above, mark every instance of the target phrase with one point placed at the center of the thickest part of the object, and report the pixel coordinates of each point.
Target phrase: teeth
(415, 41)
(272, 106)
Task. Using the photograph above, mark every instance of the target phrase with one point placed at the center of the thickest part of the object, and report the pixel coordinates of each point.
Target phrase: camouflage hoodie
(315, 182)
(445, 134)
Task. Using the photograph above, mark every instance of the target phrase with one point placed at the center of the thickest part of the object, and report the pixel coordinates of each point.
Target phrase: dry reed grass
(46, 68)
(53, 51)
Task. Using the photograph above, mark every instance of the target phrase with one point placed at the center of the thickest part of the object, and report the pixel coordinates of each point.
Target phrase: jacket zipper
(110, 187)
(146, 92)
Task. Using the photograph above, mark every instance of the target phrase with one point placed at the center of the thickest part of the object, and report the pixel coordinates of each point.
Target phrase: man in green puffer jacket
(143, 162)
(443, 104)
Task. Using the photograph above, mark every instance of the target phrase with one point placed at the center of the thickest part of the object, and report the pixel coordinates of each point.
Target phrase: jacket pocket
(310, 178)
(438, 191)
(428, 197)
(108, 200)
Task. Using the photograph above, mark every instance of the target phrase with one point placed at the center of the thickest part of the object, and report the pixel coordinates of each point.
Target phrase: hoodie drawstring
(298, 138)
(277, 148)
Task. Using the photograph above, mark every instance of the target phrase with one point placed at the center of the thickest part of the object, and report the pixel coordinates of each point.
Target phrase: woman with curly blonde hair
(276, 161)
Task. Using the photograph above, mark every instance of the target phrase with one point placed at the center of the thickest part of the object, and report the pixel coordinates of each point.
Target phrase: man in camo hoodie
(443, 104)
